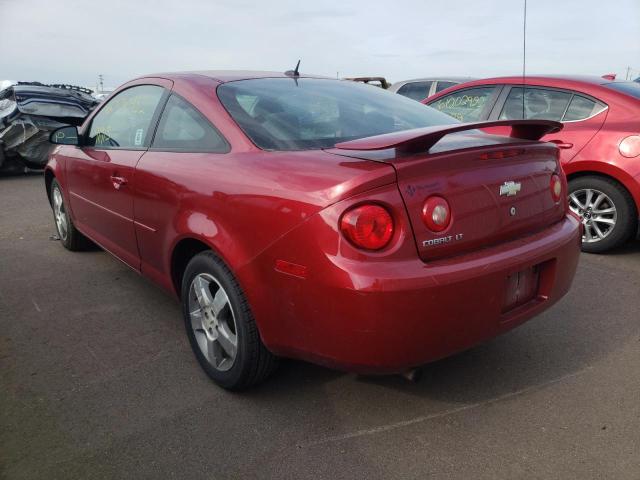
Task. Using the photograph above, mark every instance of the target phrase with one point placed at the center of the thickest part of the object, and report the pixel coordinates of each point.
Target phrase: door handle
(562, 144)
(118, 182)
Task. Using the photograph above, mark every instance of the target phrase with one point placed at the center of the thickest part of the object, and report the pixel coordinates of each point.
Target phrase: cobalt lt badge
(510, 188)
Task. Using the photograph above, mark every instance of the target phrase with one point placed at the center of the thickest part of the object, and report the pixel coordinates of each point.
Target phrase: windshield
(310, 113)
(630, 88)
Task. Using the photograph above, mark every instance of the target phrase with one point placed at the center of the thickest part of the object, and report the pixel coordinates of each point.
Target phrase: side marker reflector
(289, 268)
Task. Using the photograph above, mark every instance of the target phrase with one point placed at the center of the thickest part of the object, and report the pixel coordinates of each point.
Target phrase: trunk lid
(473, 172)
(472, 186)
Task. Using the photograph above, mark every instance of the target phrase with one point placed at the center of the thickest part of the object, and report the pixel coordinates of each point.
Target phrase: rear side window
(125, 121)
(184, 128)
(581, 108)
(415, 90)
(465, 105)
(444, 85)
(539, 104)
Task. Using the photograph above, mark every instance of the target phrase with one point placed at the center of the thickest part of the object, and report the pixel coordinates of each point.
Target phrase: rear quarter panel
(237, 203)
(602, 155)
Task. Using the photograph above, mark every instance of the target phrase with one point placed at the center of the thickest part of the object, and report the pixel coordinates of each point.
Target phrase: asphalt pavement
(97, 380)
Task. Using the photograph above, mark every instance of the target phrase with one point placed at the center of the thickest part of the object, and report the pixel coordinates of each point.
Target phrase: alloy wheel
(598, 213)
(213, 321)
(59, 213)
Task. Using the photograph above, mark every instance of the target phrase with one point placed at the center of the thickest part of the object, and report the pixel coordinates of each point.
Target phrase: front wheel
(608, 212)
(220, 326)
(69, 236)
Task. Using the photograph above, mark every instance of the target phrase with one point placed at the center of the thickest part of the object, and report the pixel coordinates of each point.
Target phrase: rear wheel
(607, 210)
(69, 236)
(220, 325)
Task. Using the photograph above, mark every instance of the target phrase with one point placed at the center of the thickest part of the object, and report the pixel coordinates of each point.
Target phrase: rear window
(630, 88)
(310, 113)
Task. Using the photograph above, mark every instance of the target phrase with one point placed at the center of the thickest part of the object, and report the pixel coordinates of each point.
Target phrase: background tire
(220, 326)
(69, 236)
(608, 196)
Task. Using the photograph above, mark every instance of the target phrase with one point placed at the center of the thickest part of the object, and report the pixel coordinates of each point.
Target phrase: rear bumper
(385, 317)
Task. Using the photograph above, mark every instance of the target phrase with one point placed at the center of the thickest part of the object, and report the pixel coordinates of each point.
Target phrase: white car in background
(421, 88)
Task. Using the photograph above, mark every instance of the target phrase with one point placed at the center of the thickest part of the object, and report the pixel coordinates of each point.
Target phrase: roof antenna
(524, 56)
(293, 73)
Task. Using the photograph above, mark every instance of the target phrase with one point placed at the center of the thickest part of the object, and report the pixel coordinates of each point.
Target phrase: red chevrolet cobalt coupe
(599, 144)
(318, 219)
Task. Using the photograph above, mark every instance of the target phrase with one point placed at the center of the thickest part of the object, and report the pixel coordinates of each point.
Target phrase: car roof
(589, 79)
(223, 76)
(453, 78)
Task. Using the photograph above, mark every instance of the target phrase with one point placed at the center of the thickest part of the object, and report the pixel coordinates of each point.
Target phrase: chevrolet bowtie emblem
(510, 189)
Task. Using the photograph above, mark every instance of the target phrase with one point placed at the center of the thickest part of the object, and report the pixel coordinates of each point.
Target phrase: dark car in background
(29, 111)
(599, 144)
(421, 88)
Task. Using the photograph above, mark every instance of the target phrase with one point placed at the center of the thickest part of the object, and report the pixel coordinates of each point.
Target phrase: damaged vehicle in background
(29, 112)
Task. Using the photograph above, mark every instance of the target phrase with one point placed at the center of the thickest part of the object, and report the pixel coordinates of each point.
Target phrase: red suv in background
(599, 144)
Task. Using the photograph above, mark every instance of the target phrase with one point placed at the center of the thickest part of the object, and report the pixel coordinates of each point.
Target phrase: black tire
(627, 216)
(253, 363)
(71, 239)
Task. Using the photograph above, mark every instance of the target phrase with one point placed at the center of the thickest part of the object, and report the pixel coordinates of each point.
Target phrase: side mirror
(65, 136)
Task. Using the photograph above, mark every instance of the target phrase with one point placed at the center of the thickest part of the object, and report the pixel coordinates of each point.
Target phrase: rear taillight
(367, 226)
(436, 214)
(630, 146)
(556, 187)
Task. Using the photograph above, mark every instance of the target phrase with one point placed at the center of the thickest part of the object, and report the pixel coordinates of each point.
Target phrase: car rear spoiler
(422, 139)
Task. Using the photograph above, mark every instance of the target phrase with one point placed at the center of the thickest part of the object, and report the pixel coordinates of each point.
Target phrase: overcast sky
(74, 41)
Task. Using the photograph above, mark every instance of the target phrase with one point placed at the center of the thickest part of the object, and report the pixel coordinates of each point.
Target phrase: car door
(471, 104)
(581, 115)
(100, 172)
(187, 151)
